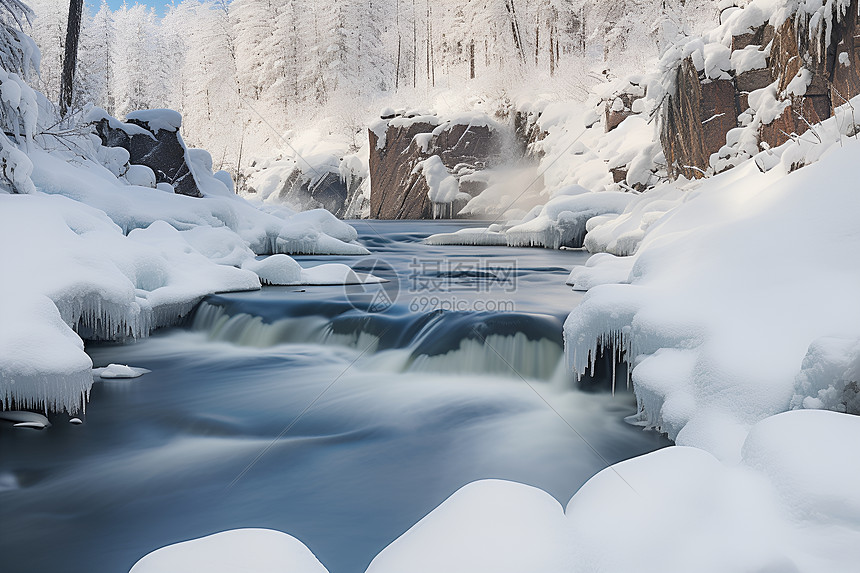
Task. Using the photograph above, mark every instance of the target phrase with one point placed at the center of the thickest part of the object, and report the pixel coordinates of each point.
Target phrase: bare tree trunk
(414, 48)
(70, 59)
(515, 29)
(399, 42)
(472, 60)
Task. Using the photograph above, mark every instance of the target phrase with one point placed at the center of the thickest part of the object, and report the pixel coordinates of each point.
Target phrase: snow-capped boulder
(151, 138)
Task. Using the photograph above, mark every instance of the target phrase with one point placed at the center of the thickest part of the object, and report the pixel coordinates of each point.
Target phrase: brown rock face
(718, 114)
(393, 192)
(695, 121)
(758, 37)
(696, 118)
(846, 68)
(396, 190)
(832, 82)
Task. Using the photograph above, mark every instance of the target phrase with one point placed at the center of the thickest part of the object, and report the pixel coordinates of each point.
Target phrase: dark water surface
(290, 409)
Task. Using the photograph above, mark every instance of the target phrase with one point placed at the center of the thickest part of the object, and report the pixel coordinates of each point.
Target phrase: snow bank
(442, 187)
(257, 550)
(561, 222)
(726, 294)
(88, 255)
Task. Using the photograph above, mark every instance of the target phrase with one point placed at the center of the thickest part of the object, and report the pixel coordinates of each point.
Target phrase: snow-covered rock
(257, 550)
(119, 371)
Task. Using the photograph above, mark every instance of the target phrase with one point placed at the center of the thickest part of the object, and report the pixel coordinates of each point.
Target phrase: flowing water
(294, 408)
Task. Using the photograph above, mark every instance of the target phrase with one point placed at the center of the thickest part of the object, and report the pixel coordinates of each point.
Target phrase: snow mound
(18, 417)
(470, 236)
(257, 550)
(119, 371)
(562, 221)
(337, 274)
(489, 525)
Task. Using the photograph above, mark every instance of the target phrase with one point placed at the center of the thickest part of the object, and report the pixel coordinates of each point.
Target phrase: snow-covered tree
(18, 106)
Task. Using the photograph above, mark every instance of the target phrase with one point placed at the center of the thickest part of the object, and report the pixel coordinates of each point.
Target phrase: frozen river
(293, 409)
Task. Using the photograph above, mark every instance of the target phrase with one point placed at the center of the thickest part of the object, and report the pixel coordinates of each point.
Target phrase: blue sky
(114, 4)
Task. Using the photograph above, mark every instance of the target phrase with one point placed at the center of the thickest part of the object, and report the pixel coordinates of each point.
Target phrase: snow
(336, 274)
(829, 376)
(468, 236)
(110, 260)
(561, 222)
(157, 119)
(442, 187)
(490, 525)
(257, 550)
(726, 254)
(749, 58)
(112, 371)
(96, 114)
(140, 175)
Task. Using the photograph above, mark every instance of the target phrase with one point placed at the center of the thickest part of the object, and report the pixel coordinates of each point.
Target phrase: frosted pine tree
(48, 30)
(18, 107)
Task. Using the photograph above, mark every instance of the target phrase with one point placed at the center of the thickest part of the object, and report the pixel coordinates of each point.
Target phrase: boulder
(151, 138)
(397, 145)
(314, 191)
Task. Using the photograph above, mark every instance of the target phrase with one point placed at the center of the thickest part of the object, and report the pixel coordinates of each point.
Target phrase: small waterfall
(511, 345)
(507, 355)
